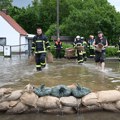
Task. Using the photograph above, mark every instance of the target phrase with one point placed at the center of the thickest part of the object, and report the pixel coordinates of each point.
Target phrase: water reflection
(82, 116)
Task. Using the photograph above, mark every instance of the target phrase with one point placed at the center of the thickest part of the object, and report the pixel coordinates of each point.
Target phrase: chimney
(4, 11)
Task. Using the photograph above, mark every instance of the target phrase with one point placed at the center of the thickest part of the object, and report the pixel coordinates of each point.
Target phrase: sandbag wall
(26, 101)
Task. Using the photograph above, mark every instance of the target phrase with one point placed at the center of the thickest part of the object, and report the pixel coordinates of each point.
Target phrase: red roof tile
(13, 23)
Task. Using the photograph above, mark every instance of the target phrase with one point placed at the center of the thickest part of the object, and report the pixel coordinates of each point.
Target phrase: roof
(13, 23)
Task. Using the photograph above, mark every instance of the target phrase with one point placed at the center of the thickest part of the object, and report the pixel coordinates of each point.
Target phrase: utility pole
(58, 31)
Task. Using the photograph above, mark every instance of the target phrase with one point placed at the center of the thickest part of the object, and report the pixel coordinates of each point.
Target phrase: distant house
(12, 34)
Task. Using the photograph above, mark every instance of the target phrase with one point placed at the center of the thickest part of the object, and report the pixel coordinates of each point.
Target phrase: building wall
(12, 36)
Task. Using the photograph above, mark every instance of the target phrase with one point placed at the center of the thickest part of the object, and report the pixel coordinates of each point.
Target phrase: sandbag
(15, 95)
(90, 99)
(42, 91)
(108, 96)
(69, 52)
(64, 110)
(80, 91)
(4, 106)
(19, 108)
(71, 86)
(61, 91)
(5, 91)
(48, 102)
(29, 88)
(29, 99)
(90, 108)
(13, 103)
(70, 101)
(49, 57)
(118, 88)
(110, 107)
(118, 105)
(32, 59)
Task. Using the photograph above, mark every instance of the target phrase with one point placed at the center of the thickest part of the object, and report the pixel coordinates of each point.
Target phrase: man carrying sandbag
(39, 46)
(78, 45)
(100, 45)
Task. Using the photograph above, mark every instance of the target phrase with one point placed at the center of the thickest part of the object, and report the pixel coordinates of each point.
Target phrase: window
(2, 41)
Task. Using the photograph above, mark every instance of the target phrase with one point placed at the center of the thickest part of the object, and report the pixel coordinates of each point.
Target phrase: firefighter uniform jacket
(40, 44)
(78, 43)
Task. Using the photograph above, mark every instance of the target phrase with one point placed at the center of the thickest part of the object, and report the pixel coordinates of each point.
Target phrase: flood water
(16, 72)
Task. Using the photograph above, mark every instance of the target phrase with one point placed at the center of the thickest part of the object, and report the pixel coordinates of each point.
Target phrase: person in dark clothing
(78, 45)
(90, 45)
(58, 47)
(100, 44)
(39, 46)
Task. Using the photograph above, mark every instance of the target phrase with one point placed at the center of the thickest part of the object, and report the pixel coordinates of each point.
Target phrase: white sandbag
(90, 99)
(1, 94)
(91, 108)
(4, 106)
(118, 104)
(15, 95)
(48, 102)
(13, 103)
(64, 110)
(118, 88)
(5, 91)
(49, 57)
(72, 86)
(70, 101)
(28, 88)
(29, 99)
(19, 108)
(108, 96)
(33, 110)
(110, 107)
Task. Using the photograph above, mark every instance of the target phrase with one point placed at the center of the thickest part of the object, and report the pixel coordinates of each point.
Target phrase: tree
(83, 17)
(5, 4)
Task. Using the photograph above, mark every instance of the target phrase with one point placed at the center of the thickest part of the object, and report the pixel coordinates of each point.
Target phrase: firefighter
(84, 43)
(58, 47)
(79, 51)
(90, 45)
(39, 46)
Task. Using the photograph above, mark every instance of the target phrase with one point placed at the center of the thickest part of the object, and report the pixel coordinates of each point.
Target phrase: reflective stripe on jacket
(40, 44)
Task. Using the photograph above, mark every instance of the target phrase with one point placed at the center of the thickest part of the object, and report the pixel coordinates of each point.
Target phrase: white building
(12, 34)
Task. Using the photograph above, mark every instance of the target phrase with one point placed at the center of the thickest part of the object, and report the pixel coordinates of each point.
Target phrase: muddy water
(16, 72)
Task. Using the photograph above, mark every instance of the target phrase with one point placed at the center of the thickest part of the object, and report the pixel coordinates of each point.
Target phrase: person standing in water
(90, 45)
(40, 44)
(100, 45)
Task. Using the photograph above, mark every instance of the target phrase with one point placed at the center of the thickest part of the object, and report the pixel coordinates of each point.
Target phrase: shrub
(111, 51)
(64, 45)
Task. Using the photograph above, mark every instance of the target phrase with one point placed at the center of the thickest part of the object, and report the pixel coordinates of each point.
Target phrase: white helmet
(78, 37)
(82, 38)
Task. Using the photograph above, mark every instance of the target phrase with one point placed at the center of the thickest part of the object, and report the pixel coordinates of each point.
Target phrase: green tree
(5, 4)
(83, 17)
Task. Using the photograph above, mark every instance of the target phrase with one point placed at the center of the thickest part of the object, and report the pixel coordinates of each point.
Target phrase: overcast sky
(24, 3)
(21, 3)
(116, 3)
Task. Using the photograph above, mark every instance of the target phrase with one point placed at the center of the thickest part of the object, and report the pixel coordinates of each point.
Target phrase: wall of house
(12, 36)
(24, 43)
